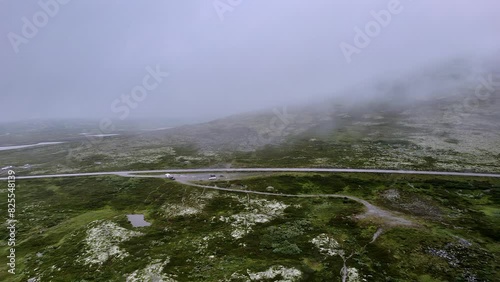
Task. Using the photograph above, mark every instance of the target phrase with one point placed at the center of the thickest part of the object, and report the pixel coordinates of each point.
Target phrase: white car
(212, 177)
(169, 176)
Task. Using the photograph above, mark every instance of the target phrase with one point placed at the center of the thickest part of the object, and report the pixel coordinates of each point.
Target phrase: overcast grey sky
(223, 56)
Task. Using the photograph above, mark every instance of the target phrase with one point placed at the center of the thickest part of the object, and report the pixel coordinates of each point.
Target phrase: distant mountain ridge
(435, 96)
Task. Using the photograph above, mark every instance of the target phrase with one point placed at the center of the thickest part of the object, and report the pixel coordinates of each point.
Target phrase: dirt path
(372, 211)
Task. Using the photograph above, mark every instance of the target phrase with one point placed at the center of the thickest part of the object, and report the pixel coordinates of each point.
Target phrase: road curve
(388, 217)
(194, 170)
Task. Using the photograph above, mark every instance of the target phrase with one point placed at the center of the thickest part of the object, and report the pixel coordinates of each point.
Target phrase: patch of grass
(200, 246)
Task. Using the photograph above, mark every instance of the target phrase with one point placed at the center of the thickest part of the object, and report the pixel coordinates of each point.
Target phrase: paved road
(201, 174)
(227, 170)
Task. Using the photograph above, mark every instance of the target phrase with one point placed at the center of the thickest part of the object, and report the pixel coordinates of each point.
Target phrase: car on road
(169, 176)
(212, 177)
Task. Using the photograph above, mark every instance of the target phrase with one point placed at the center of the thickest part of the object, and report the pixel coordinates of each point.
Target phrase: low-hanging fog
(74, 59)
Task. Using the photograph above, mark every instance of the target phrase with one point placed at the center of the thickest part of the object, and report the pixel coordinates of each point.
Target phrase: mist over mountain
(449, 95)
(440, 117)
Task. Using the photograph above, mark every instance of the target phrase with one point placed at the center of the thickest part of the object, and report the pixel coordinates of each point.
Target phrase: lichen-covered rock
(284, 274)
(152, 272)
(327, 245)
(102, 242)
(287, 274)
(353, 275)
(256, 211)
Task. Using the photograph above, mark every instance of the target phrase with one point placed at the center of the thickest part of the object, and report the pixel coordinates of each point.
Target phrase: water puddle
(137, 220)
(98, 135)
(5, 148)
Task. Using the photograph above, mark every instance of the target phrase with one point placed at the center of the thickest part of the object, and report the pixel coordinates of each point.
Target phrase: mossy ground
(53, 215)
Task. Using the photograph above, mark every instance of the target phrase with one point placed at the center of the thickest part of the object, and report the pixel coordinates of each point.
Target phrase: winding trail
(372, 211)
(389, 218)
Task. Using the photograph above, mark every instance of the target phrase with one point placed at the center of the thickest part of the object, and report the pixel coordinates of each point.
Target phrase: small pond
(137, 220)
